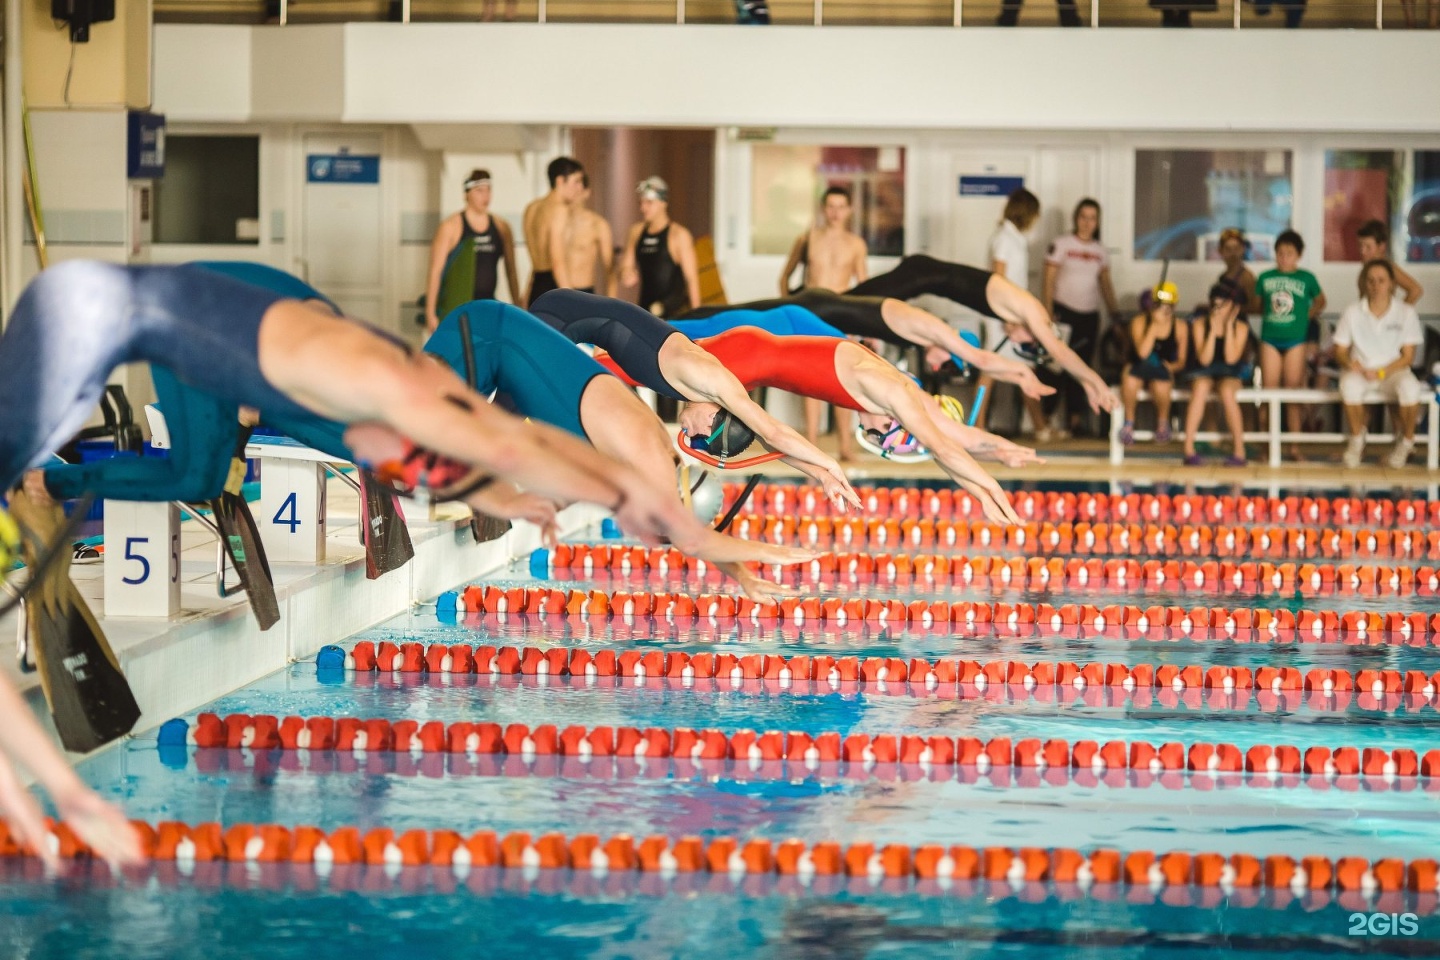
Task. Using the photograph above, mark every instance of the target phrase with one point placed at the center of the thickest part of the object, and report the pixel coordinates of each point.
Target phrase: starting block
(142, 559)
(291, 511)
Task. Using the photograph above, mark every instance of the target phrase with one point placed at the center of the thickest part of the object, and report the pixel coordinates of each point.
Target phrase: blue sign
(986, 186)
(342, 168)
(145, 149)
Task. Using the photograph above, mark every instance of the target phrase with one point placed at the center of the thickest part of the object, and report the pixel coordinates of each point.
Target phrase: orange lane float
(382, 847)
(983, 617)
(935, 504)
(1283, 764)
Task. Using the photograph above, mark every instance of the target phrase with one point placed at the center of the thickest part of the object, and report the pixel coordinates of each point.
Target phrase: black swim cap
(729, 437)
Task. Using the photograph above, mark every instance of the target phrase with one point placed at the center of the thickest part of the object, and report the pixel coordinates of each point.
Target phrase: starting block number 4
(142, 559)
(291, 512)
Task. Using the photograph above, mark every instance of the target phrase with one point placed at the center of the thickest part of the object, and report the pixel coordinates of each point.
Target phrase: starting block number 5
(142, 559)
(291, 513)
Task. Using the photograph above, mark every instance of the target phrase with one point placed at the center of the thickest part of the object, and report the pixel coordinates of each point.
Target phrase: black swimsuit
(919, 274)
(662, 282)
(632, 336)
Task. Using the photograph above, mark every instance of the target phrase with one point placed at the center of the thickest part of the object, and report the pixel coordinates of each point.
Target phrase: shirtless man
(590, 241)
(660, 255)
(833, 257)
(465, 252)
(546, 223)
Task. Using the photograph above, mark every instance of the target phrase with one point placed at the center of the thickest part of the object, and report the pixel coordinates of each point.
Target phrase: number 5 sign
(142, 559)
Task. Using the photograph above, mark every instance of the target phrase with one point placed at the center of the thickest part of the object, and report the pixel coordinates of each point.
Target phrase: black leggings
(851, 315)
(630, 334)
(1084, 335)
(917, 275)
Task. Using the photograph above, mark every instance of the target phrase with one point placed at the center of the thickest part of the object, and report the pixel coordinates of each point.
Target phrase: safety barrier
(976, 617)
(951, 504)
(1099, 538)
(820, 669)
(739, 857)
(857, 752)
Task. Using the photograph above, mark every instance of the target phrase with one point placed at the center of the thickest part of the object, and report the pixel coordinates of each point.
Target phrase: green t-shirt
(1285, 301)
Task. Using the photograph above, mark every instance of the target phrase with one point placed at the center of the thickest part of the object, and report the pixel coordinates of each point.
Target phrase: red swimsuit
(801, 365)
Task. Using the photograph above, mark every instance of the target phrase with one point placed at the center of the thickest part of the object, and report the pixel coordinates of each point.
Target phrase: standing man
(466, 253)
(546, 223)
(833, 258)
(590, 241)
(660, 255)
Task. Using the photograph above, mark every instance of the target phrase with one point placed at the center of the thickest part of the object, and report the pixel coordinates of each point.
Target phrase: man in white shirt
(1375, 345)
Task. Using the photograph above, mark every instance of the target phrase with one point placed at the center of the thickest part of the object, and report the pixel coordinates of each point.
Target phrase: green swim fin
(382, 529)
(89, 698)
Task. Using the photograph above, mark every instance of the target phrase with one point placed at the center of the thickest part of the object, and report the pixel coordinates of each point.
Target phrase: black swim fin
(241, 539)
(382, 529)
(485, 528)
(89, 698)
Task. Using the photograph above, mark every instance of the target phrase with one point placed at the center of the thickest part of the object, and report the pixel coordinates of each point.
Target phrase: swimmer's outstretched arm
(1014, 305)
(891, 392)
(709, 378)
(100, 825)
(924, 328)
(981, 444)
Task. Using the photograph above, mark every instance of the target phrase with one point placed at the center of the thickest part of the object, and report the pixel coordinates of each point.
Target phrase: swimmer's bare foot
(35, 489)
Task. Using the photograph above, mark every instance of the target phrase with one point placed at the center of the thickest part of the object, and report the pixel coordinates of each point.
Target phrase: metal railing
(1225, 14)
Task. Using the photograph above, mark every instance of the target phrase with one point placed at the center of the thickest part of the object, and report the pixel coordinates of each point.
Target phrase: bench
(1274, 398)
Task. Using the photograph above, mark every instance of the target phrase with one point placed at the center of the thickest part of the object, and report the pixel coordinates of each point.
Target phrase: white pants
(1401, 388)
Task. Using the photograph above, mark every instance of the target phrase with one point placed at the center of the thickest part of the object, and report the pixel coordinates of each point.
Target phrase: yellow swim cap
(9, 542)
(953, 408)
(1167, 292)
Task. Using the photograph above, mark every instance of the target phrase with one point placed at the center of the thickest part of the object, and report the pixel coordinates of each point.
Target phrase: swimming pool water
(282, 911)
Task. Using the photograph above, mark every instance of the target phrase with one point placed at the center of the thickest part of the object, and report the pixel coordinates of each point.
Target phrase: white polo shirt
(1377, 341)
(1009, 246)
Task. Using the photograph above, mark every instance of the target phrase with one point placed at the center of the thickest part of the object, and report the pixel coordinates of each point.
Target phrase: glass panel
(210, 192)
(1422, 219)
(1184, 198)
(787, 182)
(1360, 185)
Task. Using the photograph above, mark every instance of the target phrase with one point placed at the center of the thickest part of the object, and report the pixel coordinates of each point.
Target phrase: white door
(978, 184)
(343, 247)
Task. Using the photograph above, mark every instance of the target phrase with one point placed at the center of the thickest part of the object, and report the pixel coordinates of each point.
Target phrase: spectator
(1375, 245)
(1432, 19)
(1290, 298)
(752, 11)
(1010, 13)
(1077, 278)
(1010, 257)
(1220, 361)
(1234, 248)
(466, 252)
(487, 12)
(1158, 348)
(1375, 344)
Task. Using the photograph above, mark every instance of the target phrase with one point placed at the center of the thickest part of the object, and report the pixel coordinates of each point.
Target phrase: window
(788, 181)
(210, 192)
(1185, 198)
(1422, 218)
(1360, 185)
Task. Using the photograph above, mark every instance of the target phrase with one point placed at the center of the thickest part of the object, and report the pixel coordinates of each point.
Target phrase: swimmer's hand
(102, 826)
(993, 500)
(757, 588)
(539, 511)
(1031, 386)
(1101, 397)
(838, 490)
(35, 489)
(1014, 455)
(22, 813)
(778, 555)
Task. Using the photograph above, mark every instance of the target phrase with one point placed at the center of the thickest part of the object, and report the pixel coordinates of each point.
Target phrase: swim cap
(951, 407)
(9, 542)
(729, 437)
(705, 494)
(1166, 292)
(654, 188)
(896, 444)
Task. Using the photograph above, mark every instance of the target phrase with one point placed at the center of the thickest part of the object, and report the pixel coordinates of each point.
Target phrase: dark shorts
(1221, 371)
(1312, 332)
(1149, 372)
(541, 283)
(532, 369)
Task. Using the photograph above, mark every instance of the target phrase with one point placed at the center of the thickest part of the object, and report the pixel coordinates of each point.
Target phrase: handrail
(1335, 14)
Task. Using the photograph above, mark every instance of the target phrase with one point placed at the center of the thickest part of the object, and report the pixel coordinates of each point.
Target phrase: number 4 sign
(142, 559)
(291, 513)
